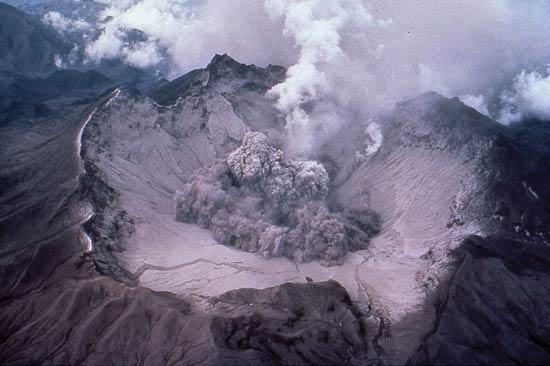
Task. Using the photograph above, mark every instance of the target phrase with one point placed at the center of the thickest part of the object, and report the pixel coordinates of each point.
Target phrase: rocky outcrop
(496, 307)
(291, 324)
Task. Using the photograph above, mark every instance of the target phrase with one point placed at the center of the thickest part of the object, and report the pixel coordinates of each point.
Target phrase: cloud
(189, 33)
(58, 61)
(529, 97)
(63, 24)
(108, 45)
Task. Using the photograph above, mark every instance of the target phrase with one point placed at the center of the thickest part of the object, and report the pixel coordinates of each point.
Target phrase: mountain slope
(26, 45)
(32, 97)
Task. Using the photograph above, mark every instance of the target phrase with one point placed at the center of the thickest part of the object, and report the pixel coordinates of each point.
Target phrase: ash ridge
(258, 201)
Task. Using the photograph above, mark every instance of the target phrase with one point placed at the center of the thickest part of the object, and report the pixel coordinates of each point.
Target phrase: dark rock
(291, 324)
(496, 307)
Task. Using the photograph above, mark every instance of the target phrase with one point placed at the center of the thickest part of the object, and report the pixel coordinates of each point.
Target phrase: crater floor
(393, 277)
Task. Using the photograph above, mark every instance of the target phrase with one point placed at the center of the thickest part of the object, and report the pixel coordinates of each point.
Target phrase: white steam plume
(373, 141)
(477, 102)
(316, 26)
(529, 97)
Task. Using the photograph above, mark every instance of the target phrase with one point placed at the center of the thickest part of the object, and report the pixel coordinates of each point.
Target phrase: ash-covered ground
(259, 201)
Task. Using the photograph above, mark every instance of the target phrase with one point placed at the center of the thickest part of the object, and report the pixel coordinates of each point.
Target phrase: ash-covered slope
(494, 309)
(492, 305)
(54, 306)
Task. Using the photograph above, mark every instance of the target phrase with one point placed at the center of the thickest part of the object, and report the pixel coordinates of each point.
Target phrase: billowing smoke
(258, 201)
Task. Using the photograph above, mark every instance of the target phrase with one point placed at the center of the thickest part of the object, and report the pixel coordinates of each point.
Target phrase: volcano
(101, 265)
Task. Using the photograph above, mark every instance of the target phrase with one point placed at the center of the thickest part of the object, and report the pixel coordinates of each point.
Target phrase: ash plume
(259, 201)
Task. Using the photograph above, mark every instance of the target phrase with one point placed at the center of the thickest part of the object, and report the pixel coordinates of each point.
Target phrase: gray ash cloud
(258, 201)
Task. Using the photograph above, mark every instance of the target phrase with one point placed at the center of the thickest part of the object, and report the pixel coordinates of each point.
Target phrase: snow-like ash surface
(259, 201)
